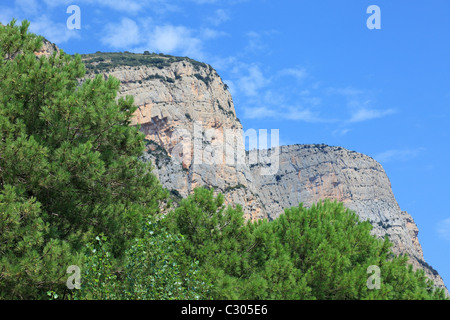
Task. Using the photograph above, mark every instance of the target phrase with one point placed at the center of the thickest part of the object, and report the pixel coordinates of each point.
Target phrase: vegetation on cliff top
(104, 61)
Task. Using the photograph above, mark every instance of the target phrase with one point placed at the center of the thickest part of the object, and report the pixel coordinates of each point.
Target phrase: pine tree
(215, 235)
(323, 252)
(332, 250)
(69, 167)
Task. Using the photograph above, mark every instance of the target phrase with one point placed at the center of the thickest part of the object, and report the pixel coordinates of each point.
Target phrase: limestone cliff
(183, 107)
(47, 48)
(195, 139)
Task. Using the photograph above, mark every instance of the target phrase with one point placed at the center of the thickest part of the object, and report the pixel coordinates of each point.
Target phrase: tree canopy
(323, 252)
(69, 167)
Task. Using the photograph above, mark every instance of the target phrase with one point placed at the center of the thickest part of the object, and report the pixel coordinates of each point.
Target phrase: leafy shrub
(150, 270)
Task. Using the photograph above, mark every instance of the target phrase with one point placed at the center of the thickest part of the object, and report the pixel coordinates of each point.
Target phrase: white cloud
(122, 6)
(256, 43)
(220, 16)
(443, 229)
(204, 1)
(52, 31)
(223, 63)
(340, 132)
(29, 7)
(294, 113)
(231, 86)
(144, 35)
(262, 98)
(298, 73)
(40, 24)
(369, 114)
(222, 2)
(55, 3)
(348, 91)
(121, 35)
(273, 97)
(129, 6)
(313, 101)
(175, 39)
(359, 104)
(208, 34)
(259, 112)
(398, 155)
(284, 112)
(253, 81)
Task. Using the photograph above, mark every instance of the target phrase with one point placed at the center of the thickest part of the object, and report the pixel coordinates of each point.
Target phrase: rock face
(47, 49)
(188, 117)
(195, 139)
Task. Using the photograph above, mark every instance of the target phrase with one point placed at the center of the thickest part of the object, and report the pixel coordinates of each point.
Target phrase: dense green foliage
(69, 166)
(150, 270)
(73, 191)
(318, 253)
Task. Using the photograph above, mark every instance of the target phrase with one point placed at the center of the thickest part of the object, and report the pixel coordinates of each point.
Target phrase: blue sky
(309, 68)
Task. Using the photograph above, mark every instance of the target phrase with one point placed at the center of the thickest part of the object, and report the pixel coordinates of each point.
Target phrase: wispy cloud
(347, 91)
(222, 2)
(364, 114)
(28, 7)
(297, 73)
(175, 39)
(259, 112)
(359, 104)
(132, 7)
(124, 34)
(220, 16)
(398, 154)
(443, 229)
(261, 95)
(340, 132)
(142, 35)
(256, 41)
(302, 114)
(129, 6)
(208, 33)
(41, 24)
(285, 112)
(253, 81)
(51, 30)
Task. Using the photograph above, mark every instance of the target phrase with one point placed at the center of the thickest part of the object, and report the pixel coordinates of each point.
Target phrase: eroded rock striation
(195, 139)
